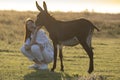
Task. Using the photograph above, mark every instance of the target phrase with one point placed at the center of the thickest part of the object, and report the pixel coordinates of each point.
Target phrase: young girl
(37, 46)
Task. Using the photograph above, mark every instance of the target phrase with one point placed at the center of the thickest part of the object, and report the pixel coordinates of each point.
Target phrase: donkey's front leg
(55, 57)
(61, 57)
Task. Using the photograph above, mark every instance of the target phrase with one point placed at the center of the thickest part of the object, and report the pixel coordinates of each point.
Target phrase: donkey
(68, 33)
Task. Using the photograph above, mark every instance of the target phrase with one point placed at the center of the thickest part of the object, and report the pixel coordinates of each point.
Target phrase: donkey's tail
(96, 28)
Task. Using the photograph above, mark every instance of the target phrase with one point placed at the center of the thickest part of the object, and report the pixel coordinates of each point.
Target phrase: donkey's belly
(71, 42)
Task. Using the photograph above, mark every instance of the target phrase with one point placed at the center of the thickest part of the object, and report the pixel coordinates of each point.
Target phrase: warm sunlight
(104, 6)
(81, 7)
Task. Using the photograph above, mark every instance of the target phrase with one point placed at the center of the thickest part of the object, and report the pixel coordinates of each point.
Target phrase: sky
(103, 6)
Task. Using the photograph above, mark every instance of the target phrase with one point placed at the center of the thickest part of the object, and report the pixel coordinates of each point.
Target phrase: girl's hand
(41, 47)
(27, 47)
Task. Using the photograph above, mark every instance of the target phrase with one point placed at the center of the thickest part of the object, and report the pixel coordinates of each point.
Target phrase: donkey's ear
(38, 7)
(45, 6)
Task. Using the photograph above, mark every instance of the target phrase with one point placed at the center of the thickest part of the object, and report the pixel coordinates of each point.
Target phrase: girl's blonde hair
(27, 31)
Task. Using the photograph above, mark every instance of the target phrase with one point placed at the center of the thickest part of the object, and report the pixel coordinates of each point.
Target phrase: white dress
(43, 39)
(42, 55)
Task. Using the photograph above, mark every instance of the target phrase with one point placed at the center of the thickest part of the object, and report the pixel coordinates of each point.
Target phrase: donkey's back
(69, 29)
(77, 24)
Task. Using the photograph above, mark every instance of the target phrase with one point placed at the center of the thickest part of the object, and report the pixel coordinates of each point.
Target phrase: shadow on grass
(46, 75)
(81, 77)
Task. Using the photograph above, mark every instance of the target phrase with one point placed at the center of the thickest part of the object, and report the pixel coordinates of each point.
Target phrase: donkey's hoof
(90, 71)
(62, 70)
(52, 70)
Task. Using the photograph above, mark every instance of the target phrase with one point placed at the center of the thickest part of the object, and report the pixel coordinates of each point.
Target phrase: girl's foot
(34, 66)
(43, 66)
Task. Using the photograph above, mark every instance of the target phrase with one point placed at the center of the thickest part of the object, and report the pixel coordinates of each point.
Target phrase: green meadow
(106, 43)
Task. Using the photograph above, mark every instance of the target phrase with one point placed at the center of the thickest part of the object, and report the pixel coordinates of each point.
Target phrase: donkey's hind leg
(90, 54)
(89, 39)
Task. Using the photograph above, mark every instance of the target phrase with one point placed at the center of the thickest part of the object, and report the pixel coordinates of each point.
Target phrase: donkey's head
(43, 15)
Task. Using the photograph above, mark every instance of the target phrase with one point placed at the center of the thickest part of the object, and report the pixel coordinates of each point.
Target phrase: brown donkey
(68, 33)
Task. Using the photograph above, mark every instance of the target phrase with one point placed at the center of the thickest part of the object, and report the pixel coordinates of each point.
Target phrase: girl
(37, 46)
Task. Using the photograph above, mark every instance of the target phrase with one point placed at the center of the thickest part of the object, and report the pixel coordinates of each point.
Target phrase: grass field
(14, 66)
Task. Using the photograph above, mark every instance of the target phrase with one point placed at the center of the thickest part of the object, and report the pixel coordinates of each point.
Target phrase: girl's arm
(27, 44)
(33, 40)
(42, 38)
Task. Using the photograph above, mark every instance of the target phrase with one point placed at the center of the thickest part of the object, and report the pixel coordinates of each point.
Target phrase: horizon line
(86, 10)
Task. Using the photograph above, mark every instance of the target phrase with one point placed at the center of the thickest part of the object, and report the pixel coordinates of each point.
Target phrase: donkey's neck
(51, 24)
